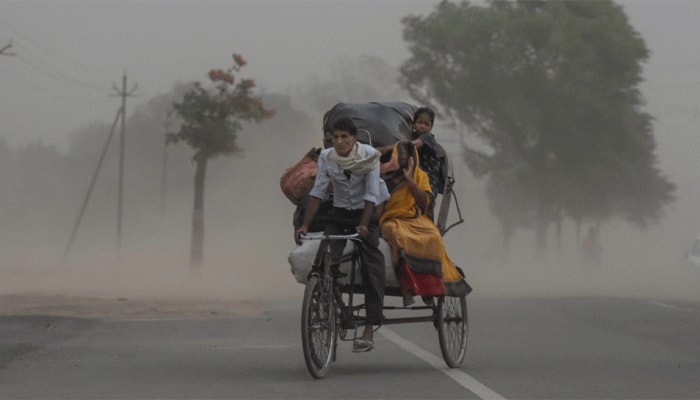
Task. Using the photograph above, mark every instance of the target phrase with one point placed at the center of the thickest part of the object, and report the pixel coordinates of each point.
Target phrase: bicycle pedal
(337, 273)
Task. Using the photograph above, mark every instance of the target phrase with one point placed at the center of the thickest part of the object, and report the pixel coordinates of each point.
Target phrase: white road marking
(150, 319)
(664, 305)
(459, 376)
(258, 346)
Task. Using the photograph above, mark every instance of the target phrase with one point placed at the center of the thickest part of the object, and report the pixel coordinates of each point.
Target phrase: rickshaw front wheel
(318, 326)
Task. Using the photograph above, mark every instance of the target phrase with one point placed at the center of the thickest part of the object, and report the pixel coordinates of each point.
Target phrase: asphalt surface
(554, 348)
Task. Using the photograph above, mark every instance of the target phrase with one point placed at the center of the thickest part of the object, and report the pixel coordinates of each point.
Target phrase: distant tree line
(551, 87)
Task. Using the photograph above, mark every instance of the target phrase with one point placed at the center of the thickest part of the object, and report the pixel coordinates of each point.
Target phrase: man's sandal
(362, 345)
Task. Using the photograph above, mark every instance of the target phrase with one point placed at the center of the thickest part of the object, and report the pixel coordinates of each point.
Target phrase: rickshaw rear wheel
(318, 327)
(453, 329)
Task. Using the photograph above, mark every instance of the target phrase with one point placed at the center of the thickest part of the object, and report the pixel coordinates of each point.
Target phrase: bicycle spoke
(318, 326)
(452, 329)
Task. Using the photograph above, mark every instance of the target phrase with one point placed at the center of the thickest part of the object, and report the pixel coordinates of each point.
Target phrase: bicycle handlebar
(324, 219)
(322, 235)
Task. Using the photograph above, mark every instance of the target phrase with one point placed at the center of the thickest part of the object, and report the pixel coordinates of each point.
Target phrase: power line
(50, 68)
(51, 52)
(60, 76)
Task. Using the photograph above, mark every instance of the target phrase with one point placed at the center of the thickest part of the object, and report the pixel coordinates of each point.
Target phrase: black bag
(378, 123)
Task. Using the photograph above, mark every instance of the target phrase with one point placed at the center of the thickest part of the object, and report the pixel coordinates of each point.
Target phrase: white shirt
(350, 191)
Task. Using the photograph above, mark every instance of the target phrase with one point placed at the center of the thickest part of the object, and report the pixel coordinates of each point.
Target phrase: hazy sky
(69, 54)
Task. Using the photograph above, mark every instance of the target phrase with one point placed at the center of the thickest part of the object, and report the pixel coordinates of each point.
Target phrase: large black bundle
(378, 123)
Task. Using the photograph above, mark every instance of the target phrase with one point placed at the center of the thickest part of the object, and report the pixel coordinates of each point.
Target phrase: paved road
(593, 348)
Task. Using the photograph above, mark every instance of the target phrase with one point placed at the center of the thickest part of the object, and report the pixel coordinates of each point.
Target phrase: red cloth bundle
(297, 180)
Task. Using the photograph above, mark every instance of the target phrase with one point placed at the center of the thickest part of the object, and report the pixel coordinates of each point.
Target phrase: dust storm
(248, 235)
(248, 221)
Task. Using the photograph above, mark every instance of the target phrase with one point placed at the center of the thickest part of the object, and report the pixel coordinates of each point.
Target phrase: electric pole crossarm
(3, 50)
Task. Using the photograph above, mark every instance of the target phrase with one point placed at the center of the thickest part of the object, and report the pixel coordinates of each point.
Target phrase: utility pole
(123, 93)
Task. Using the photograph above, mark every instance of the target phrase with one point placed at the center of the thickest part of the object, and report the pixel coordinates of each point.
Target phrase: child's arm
(385, 149)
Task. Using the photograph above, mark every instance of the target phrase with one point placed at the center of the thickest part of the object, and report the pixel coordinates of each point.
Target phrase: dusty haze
(248, 221)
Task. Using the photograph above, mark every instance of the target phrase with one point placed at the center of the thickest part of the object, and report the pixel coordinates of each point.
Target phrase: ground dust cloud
(248, 236)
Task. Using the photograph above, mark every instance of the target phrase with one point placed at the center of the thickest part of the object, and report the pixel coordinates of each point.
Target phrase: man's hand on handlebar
(362, 231)
(303, 230)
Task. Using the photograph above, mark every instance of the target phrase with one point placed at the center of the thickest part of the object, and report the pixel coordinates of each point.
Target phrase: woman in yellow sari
(404, 225)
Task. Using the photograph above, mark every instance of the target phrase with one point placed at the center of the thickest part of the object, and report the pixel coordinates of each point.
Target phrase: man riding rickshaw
(412, 250)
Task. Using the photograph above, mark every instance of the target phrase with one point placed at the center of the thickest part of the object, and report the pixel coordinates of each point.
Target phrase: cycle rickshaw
(330, 306)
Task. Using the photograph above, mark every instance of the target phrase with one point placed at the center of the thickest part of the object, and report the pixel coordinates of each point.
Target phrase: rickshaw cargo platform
(302, 257)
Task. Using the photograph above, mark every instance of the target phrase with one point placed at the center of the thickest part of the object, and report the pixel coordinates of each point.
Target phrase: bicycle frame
(351, 288)
(326, 317)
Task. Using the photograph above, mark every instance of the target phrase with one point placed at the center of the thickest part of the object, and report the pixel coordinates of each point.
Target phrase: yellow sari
(411, 233)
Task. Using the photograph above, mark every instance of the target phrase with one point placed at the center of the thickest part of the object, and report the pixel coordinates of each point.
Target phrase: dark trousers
(372, 266)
